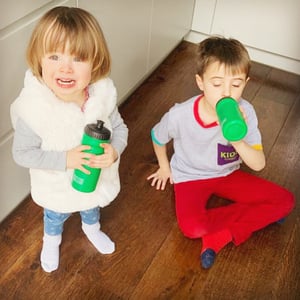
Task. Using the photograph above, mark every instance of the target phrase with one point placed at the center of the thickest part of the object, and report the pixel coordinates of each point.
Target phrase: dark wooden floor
(153, 260)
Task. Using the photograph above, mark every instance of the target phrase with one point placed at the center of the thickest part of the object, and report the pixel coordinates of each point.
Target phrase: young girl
(67, 87)
(205, 163)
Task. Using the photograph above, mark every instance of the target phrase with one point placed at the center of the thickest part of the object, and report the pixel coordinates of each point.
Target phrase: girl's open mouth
(65, 82)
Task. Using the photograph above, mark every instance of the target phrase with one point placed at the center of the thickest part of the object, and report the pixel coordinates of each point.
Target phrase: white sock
(50, 252)
(98, 238)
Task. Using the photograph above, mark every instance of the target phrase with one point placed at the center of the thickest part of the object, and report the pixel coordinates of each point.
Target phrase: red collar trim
(197, 115)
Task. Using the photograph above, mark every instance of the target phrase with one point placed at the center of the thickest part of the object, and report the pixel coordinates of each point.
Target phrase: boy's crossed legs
(256, 203)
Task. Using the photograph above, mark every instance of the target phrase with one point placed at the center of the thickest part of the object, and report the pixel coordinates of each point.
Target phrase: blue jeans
(54, 221)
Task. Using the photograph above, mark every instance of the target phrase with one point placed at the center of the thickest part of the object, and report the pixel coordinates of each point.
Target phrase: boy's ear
(199, 82)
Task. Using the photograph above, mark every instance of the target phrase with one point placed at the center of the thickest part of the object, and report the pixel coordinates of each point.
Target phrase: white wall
(268, 28)
(140, 34)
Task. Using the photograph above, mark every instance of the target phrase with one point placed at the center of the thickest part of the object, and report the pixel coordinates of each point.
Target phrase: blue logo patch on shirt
(226, 154)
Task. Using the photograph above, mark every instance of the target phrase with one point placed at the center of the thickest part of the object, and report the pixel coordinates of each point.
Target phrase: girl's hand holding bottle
(76, 158)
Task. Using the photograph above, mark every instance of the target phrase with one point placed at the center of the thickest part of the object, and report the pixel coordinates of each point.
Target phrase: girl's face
(218, 82)
(66, 75)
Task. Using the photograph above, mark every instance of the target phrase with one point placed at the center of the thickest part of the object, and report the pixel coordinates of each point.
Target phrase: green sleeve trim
(154, 139)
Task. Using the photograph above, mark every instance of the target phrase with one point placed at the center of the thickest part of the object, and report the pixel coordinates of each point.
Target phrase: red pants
(256, 204)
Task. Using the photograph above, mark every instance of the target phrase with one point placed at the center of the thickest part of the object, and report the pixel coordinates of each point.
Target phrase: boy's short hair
(229, 52)
(78, 28)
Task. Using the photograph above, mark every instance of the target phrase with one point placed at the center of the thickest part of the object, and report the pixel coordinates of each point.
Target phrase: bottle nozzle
(97, 130)
(100, 124)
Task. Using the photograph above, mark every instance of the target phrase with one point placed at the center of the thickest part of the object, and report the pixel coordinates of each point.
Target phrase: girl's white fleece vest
(60, 125)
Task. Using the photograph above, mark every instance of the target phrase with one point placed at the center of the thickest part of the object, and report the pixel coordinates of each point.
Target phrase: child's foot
(50, 252)
(208, 258)
(280, 221)
(98, 238)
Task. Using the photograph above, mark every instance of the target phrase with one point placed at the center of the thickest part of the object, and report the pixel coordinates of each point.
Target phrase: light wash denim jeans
(54, 221)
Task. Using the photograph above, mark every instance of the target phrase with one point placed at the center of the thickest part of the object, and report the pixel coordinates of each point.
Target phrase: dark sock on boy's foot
(281, 221)
(216, 241)
(208, 258)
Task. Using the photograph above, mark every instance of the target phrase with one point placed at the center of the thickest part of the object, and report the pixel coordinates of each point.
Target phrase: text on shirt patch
(226, 154)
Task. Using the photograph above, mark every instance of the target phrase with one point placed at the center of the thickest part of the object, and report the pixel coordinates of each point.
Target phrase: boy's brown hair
(77, 28)
(228, 52)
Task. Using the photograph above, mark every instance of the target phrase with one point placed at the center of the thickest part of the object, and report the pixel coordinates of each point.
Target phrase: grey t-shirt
(201, 151)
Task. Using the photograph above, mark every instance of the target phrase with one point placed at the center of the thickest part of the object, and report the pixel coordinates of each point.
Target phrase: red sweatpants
(256, 203)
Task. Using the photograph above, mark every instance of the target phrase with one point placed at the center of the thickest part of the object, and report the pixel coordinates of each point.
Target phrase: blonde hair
(229, 52)
(77, 28)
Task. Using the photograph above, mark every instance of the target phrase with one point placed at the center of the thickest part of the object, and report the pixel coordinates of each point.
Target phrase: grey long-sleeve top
(27, 150)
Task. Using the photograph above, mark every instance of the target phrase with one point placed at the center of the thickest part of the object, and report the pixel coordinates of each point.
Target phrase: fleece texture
(60, 126)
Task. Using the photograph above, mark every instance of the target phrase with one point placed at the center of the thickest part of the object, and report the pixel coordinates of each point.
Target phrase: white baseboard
(267, 58)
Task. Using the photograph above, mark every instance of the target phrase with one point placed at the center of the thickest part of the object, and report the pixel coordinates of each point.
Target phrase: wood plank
(258, 74)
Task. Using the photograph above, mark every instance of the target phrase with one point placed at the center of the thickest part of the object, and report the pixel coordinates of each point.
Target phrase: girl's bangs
(58, 39)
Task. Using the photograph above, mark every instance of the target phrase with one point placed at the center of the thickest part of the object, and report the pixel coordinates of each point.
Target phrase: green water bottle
(94, 135)
(234, 127)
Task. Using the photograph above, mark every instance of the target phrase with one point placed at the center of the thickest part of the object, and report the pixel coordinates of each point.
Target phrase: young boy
(199, 168)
